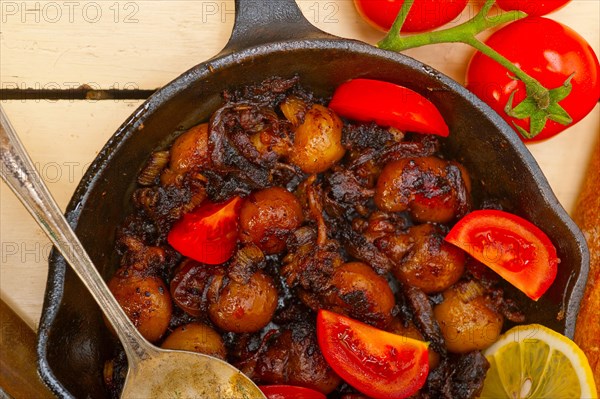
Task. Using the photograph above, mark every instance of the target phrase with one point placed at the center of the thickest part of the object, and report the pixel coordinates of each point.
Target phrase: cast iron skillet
(273, 38)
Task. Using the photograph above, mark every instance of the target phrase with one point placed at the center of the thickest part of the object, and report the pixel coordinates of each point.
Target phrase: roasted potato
(267, 218)
(196, 337)
(318, 141)
(242, 308)
(145, 300)
(467, 318)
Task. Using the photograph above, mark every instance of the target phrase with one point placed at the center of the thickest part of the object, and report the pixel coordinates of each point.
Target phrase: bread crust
(587, 216)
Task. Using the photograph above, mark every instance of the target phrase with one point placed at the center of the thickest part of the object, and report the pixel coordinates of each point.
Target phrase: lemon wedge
(532, 361)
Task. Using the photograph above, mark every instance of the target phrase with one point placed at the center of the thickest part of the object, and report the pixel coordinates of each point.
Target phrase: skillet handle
(266, 21)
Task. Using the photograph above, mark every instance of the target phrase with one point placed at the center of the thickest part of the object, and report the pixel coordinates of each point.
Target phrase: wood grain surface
(143, 45)
(18, 371)
(587, 216)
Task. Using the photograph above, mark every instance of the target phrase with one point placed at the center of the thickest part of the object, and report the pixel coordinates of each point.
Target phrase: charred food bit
(292, 356)
(151, 171)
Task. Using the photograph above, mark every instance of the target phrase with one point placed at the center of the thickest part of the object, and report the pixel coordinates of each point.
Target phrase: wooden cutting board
(18, 373)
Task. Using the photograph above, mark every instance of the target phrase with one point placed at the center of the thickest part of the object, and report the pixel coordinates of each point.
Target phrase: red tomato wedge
(289, 392)
(209, 233)
(511, 246)
(388, 104)
(378, 363)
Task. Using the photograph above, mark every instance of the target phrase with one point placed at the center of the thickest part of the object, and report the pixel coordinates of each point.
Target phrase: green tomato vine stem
(466, 33)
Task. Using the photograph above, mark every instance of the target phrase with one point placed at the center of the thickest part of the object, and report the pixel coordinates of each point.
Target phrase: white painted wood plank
(147, 43)
(62, 139)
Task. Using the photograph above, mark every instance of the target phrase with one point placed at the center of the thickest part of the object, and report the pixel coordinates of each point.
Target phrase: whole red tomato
(424, 14)
(533, 8)
(547, 51)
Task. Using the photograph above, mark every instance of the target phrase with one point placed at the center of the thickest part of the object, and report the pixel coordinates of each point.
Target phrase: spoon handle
(19, 173)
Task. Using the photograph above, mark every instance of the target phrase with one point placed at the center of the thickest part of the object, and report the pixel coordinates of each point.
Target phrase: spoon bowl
(153, 372)
(176, 374)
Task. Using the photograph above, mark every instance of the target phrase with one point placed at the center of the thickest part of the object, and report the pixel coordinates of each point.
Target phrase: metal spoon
(153, 372)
